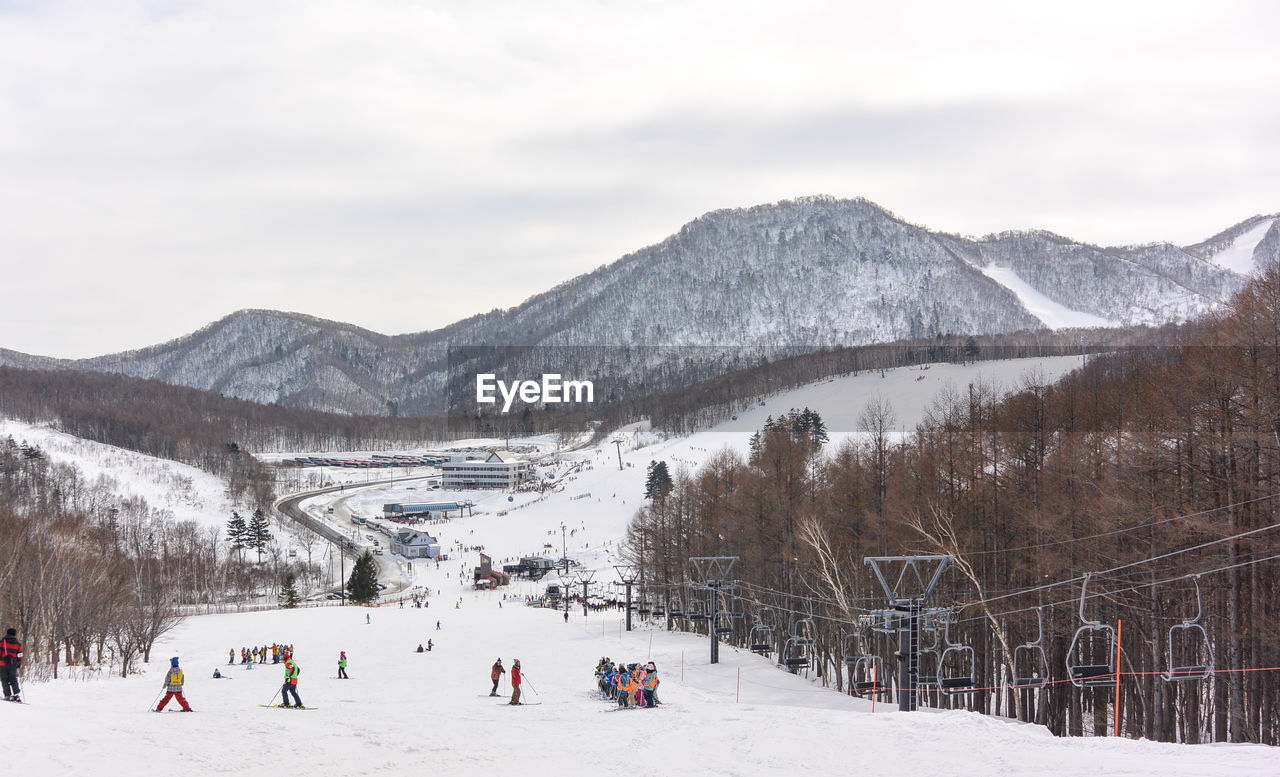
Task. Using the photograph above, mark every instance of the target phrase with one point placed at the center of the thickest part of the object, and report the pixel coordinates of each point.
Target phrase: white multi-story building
(460, 473)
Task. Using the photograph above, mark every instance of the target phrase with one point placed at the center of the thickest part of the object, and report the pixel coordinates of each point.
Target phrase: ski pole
(525, 679)
(153, 701)
(274, 695)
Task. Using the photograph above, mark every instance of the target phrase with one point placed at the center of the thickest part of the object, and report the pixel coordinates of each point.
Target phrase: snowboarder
(342, 665)
(173, 687)
(10, 660)
(291, 672)
(515, 682)
(496, 675)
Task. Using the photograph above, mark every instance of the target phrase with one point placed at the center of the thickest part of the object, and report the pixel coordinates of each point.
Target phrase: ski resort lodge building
(414, 544)
(493, 472)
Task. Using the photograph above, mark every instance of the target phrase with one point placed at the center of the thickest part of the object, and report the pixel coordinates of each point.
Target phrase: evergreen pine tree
(362, 586)
(237, 533)
(289, 597)
(658, 483)
(259, 533)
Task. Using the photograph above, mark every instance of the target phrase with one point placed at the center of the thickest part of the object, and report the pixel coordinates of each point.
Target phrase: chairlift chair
(797, 652)
(1092, 652)
(866, 671)
(1030, 662)
(928, 659)
(724, 623)
(696, 611)
(676, 609)
(760, 638)
(956, 666)
(1194, 660)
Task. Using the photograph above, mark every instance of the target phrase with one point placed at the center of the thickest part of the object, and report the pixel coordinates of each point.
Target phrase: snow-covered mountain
(804, 273)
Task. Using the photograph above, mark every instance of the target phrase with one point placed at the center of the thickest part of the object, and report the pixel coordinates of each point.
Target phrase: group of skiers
(632, 685)
(258, 655)
(174, 678)
(496, 674)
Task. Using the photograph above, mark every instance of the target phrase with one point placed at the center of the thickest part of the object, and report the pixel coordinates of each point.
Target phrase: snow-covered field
(405, 712)
(188, 493)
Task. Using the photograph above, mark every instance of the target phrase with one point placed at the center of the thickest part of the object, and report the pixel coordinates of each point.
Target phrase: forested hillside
(1146, 467)
(802, 275)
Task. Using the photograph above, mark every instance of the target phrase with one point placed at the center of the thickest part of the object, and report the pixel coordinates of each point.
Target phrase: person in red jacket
(10, 660)
(515, 682)
(496, 675)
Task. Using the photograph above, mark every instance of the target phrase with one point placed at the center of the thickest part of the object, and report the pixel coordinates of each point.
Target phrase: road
(388, 568)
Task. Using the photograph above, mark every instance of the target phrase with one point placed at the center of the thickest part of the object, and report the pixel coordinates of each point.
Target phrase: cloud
(166, 163)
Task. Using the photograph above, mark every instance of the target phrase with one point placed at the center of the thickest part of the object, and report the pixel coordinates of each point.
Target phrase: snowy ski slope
(404, 712)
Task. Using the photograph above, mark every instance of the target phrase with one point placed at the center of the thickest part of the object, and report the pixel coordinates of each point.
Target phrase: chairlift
(928, 659)
(697, 612)
(1093, 649)
(866, 670)
(957, 666)
(760, 638)
(724, 623)
(1194, 659)
(798, 650)
(1030, 663)
(675, 609)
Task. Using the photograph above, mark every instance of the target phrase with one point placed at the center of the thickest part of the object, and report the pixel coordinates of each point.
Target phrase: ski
(290, 707)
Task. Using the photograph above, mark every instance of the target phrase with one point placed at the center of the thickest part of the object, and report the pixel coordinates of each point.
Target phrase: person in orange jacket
(651, 685)
(173, 687)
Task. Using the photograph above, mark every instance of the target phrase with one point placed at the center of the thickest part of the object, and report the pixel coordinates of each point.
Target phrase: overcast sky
(401, 165)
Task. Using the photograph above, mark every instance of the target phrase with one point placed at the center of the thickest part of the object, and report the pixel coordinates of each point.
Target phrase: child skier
(342, 665)
(173, 687)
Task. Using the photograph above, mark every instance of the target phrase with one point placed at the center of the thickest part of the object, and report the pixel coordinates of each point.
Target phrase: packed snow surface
(1238, 257)
(404, 712)
(1053, 314)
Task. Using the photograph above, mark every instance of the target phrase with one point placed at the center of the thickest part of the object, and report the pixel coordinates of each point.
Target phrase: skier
(429, 643)
(366, 619)
(515, 682)
(566, 616)
(231, 657)
(291, 672)
(173, 687)
(651, 685)
(342, 665)
(496, 675)
(10, 660)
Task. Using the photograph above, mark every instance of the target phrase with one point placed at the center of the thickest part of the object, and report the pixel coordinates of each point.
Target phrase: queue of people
(631, 685)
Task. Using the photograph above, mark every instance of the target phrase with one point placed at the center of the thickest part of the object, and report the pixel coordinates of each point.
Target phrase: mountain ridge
(803, 273)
